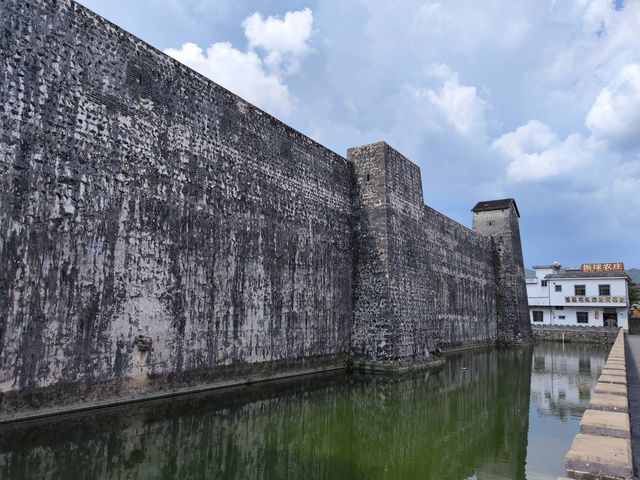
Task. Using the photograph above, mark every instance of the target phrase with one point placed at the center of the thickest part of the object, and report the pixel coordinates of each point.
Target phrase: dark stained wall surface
(423, 281)
(157, 231)
(139, 198)
(501, 225)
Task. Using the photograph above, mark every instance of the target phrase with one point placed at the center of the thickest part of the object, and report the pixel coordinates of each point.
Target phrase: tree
(634, 294)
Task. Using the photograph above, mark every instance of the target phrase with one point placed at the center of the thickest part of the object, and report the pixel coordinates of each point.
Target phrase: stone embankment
(602, 449)
(568, 333)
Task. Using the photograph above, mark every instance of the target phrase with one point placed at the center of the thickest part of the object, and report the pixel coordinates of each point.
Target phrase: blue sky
(536, 100)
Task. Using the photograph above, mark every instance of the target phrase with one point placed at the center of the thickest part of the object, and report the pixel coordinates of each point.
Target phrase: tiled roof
(618, 274)
(489, 205)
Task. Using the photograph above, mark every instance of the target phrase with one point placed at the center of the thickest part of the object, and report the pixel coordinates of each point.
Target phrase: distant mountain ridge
(634, 274)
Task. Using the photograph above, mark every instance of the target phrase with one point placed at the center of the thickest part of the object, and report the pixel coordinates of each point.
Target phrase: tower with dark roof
(498, 219)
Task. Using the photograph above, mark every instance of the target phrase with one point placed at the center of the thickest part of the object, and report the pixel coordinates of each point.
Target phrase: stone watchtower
(387, 184)
(498, 219)
(422, 281)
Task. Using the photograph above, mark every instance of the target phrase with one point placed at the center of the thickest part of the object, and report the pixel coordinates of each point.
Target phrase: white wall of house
(617, 289)
(568, 316)
(557, 301)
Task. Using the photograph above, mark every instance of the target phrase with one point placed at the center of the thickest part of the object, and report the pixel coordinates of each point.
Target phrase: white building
(595, 295)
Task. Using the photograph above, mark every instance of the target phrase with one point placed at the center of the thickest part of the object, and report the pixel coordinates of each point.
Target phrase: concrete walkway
(602, 449)
(633, 382)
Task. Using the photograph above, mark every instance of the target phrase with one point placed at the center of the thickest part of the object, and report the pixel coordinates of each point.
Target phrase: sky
(538, 100)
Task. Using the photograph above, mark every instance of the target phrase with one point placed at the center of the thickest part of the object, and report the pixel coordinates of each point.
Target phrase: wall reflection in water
(468, 420)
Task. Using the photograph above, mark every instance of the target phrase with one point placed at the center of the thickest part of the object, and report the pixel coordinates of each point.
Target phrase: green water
(490, 414)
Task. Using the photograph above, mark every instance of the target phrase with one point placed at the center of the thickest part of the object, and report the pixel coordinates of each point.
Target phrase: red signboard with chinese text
(602, 267)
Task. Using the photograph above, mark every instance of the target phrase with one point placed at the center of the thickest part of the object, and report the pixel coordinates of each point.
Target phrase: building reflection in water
(563, 379)
(470, 419)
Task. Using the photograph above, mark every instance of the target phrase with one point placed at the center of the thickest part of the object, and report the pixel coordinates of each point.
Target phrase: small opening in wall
(140, 79)
(367, 177)
(489, 223)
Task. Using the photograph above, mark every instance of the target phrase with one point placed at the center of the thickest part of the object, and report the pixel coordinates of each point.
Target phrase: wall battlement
(157, 231)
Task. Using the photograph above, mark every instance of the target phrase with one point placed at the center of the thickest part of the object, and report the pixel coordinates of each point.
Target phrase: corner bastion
(157, 232)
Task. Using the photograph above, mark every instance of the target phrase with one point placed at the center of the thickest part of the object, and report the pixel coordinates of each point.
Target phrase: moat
(490, 414)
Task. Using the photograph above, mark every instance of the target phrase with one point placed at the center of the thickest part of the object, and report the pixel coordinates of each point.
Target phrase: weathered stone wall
(422, 280)
(139, 198)
(511, 302)
(157, 231)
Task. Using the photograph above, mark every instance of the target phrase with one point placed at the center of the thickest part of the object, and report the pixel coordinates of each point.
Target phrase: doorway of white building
(610, 318)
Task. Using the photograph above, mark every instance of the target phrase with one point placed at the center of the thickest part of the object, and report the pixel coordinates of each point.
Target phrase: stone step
(617, 368)
(615, 361)
(619, 379)
(612, 424)
(604, 458)
(612, 389)
(609, 403)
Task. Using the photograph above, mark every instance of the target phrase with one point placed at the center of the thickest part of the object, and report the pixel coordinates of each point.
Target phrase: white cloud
(536, 153)
(625, 186)
(597, 16)
(533, 137)
(258, 80)
(603, 42)
(568, 157)
(287, 35)
(284, 40)
(438, 70)
(241, 72)
(615, 115)
(460, 106)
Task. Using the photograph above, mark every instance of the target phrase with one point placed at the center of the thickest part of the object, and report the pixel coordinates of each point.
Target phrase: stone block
(599, 457)
(621, 371)
(619, 379)
(609, 424)
(609, 403)
(611, 389)
(614, 368)
(613, 364)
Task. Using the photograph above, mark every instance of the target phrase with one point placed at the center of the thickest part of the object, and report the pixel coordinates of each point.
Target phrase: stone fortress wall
(423, 281)
(157, 231)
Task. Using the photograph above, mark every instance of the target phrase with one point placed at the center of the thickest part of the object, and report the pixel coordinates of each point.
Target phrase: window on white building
(582, 317)
(538, 316)
(579, 290)
(558, 288)
(604, 290)
(559, 307)
(543, 283)
(561, 317)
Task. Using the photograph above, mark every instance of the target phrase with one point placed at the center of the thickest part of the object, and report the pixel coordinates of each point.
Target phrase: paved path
(633, 381)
